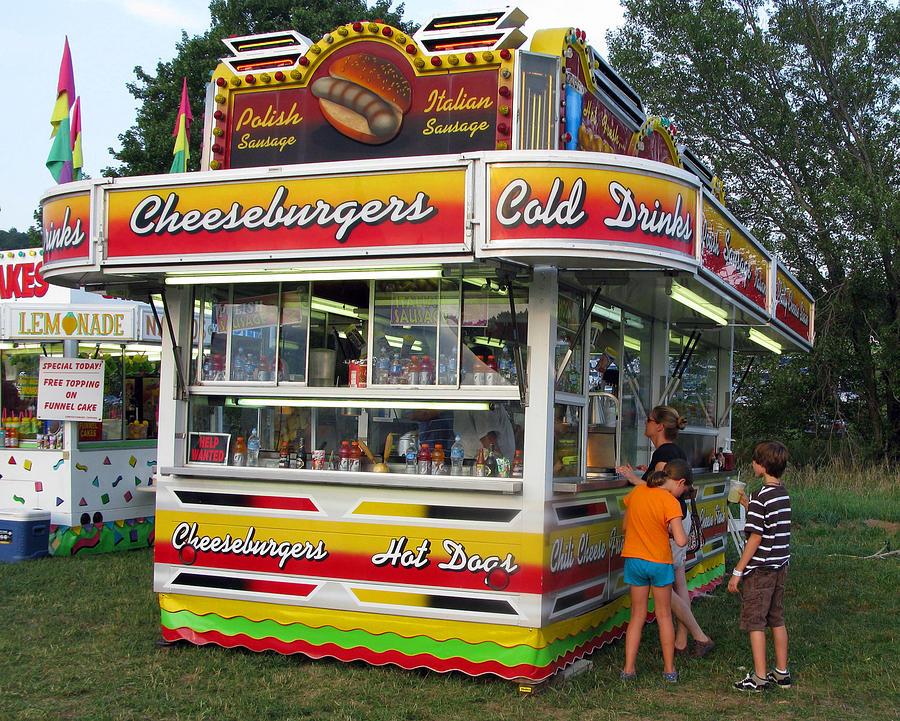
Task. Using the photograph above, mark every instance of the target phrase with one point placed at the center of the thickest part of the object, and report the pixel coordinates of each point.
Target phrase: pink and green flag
(182, 128)
(77, 160)
(59, 161)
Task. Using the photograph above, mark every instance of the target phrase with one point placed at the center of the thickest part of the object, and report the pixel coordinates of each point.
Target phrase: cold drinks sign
(70, 389)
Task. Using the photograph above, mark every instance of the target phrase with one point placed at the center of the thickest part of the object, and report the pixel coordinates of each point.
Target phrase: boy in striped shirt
(763, 567)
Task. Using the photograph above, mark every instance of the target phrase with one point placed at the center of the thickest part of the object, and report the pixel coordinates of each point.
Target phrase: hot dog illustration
(364, 97)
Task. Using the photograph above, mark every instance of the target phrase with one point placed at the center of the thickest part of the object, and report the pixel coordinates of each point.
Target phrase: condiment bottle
(438, 467)
(490, 462)
(479, 463)
(239, 454)
(344, 456)
(423, 467)
(284, 456)
(355, 455)
(517, 465)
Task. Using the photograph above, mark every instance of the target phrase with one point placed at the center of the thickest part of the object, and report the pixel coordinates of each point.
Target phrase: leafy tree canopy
(796, 104)
(12, 238)
(147, 145)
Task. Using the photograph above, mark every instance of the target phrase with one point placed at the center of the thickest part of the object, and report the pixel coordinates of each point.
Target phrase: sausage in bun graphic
(364, 97)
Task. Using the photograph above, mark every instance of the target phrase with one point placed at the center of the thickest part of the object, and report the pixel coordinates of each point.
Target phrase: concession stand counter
(397, 240)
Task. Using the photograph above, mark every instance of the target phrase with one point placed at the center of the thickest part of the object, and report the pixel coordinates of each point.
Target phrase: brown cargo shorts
(762, 599)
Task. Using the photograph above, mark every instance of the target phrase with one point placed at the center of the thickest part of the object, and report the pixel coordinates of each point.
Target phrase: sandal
(671, 677)
(627, 676)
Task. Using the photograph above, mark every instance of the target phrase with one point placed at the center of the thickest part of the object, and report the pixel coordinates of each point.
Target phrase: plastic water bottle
(457, 456)
(412, 451)
(253, 448)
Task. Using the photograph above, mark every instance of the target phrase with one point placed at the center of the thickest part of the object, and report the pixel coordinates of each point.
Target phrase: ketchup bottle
(355, 455)
(344, 456)
(423, 465)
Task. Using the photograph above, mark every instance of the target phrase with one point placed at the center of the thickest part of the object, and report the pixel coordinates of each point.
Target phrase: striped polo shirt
(769, 515)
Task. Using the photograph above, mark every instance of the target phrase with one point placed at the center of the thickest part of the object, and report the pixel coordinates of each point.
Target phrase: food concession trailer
(393, 241)
(88, 477)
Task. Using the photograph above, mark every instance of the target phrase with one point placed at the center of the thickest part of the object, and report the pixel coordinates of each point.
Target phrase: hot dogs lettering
(364, 98)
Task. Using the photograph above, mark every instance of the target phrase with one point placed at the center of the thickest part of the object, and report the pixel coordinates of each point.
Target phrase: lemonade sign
(92, 322)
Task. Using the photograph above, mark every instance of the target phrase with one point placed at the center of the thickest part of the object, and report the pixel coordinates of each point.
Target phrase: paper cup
(734, 491)
(318, 460)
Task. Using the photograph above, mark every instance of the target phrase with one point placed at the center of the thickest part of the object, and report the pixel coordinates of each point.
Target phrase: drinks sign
(596, 206)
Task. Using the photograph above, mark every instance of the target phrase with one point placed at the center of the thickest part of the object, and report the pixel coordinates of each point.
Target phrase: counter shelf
(506, 486)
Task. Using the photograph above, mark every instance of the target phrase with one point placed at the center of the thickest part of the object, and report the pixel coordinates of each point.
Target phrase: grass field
(78, 641)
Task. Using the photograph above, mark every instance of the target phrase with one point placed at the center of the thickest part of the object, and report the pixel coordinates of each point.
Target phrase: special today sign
(70, 389)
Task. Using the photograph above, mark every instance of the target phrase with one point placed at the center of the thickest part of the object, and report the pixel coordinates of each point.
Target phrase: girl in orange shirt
(652, 514)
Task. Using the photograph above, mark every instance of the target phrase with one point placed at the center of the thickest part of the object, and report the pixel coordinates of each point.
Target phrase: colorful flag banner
(59, 161)
(181, 152)
(77, 160)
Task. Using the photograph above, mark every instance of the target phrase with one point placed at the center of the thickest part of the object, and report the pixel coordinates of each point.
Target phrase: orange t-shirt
(647, 514)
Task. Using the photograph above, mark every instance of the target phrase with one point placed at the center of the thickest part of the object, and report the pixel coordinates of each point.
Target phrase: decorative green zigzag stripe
(383, 642)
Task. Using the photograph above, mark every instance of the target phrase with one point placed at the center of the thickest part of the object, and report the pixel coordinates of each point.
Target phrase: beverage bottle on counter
(451, 368)
(355, 456)
(382, 365)
(344, 456)
(395, 369)
(442, 376)
(423, 465)
(457, 456)
(479, 371)
(239, 454)
(490, 462)
(438, 467)
(426, 371)
(301, 450)
(491, 373)
(284, 456)
(517, 465)
(253, 448)
(412, 455)
(412, 371)
(503, 364)
(479, 463)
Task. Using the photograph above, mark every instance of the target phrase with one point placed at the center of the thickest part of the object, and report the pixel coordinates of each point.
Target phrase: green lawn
(78, 641)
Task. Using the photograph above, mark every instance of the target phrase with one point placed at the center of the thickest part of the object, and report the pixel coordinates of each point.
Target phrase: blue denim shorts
(639, 572)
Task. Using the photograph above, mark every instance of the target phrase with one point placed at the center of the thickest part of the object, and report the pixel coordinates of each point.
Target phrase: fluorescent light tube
(764, 341)
(359, 403)
(691, 300)
(304, 275)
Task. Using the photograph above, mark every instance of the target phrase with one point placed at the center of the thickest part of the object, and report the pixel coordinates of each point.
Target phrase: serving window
(424, 333)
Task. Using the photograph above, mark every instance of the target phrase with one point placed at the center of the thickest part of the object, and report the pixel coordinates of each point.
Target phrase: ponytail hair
(669, 419)
(656, 479)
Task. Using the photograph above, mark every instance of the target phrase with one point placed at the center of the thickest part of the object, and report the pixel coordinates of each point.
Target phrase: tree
(147, 145)
(12, 239)
(797, 104)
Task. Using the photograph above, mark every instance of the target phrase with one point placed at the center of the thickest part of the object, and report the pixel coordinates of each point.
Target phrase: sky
(109, 38)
